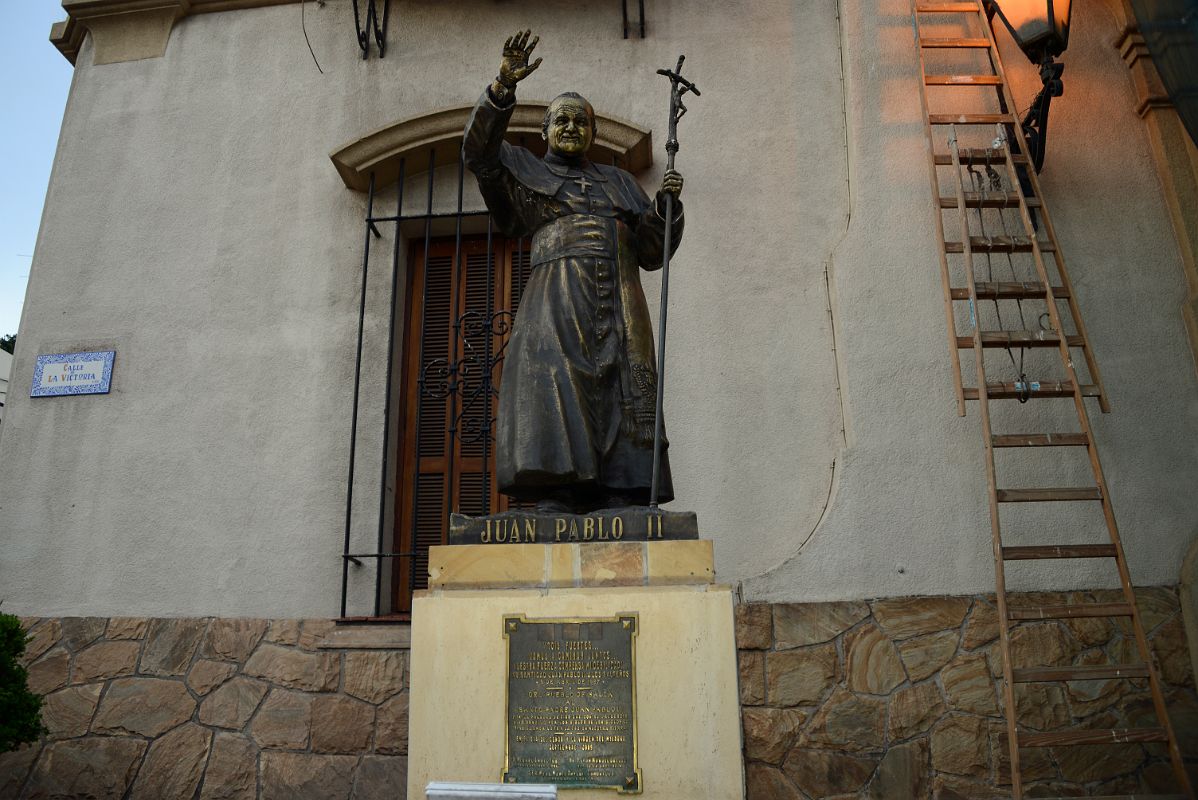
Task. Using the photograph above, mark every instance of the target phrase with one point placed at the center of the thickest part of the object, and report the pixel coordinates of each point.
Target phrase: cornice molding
(132, 29)
(1150, 91)
(67, 37)
(413, 139)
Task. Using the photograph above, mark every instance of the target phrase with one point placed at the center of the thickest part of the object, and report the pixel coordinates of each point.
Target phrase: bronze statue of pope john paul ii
(577, 397)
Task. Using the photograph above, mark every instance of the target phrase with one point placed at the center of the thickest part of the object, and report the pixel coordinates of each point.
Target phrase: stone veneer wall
(214, 709)
(900, 699)
(894, 699)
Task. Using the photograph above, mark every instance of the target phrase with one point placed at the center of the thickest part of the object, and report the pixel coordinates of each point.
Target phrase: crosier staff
(678, 87)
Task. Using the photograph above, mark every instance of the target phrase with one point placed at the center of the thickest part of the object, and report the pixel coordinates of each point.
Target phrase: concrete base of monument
(563, 566)
(574, 685)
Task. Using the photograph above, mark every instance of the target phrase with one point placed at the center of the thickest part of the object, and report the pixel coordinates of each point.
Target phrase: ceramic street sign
(72, 373)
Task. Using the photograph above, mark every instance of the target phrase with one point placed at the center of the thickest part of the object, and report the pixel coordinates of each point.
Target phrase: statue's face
(571, 127)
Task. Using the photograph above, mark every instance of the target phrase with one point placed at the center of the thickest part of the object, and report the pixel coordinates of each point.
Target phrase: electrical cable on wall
(304, 28)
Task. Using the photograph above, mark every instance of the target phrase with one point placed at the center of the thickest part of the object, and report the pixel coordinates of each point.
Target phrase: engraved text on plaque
(571, 702)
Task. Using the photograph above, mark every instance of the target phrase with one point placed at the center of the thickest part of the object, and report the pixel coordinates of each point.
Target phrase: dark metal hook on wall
(372, 27)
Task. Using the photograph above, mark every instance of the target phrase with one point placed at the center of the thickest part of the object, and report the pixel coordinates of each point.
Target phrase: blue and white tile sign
(72, 373)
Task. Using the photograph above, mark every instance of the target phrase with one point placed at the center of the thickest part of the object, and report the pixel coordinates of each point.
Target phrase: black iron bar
(444, 215)
(381, 36)
(358, 30)
(488, 375)
(641, 5)
(365, 33)
(372, 26)
(353, 434)
(378, 573)
(457, 296)
(624, 11)
(428, 222)
(369, 28)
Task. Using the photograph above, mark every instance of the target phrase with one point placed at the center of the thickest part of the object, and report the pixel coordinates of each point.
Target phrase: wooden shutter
(447, 460)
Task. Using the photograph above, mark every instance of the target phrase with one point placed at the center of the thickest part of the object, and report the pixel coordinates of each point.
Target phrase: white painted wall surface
(195, 225)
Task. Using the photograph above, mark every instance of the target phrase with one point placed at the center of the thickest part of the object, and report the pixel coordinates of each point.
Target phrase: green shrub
(20, 708)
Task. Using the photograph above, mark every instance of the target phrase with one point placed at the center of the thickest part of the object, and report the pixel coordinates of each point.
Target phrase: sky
(33, 93)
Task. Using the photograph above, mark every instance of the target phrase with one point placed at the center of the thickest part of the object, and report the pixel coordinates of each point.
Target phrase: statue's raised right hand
(515, 66)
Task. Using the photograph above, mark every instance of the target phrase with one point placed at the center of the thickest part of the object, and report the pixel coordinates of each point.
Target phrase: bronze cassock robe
(578, 392)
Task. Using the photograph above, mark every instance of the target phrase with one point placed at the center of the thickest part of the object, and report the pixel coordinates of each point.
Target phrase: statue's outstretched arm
(484, 132)
(511, 205)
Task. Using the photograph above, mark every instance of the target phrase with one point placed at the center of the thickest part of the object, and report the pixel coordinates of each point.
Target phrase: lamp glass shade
(1060, 10)
(1040, 27)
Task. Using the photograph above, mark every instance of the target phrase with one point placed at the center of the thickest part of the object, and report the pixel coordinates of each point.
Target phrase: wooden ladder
(1008, 187)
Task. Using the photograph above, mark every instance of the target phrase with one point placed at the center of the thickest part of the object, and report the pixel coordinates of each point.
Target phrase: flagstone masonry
(894, 699)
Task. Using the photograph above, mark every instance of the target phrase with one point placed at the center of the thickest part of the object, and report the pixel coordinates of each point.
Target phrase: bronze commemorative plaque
(571, 702)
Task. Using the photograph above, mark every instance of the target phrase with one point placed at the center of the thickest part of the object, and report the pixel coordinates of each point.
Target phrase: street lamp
(1041, 29)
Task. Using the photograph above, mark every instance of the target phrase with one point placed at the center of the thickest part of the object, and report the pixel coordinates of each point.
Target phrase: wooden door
(459, 311)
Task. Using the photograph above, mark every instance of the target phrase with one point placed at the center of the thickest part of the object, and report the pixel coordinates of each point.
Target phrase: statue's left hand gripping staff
(514, 67)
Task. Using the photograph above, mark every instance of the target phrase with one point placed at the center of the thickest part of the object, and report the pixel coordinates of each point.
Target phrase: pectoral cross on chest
(583, 183)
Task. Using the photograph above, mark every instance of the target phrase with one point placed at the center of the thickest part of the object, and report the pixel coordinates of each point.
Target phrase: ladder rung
(1031, 552)
(962, 80)
(998, 244)
(953, 42)
(1047, 495)
(981, 155)
(1039, 389)
(1108, 736)
(997, 290)
(1040, 440)
(1086, 673)
(1020, 339)
(1070, 611)
(970, 119)
(946, 8)
(990, 200)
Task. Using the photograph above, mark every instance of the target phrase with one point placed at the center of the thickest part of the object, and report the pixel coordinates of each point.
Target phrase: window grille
(462, 295)
(472, 281)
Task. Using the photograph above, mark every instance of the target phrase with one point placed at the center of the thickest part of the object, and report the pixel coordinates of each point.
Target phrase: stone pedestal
(686, 698)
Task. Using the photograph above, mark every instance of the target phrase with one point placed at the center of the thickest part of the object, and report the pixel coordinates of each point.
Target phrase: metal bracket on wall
(640, 12)
(372, 26)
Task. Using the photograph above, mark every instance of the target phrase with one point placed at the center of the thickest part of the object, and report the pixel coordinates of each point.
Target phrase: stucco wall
(908, 513)
(195, 224)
